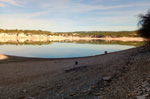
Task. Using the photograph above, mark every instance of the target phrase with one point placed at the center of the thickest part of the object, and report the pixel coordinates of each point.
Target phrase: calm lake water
(60, 50)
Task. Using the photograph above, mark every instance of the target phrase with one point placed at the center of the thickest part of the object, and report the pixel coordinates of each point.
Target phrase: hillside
(97, 34)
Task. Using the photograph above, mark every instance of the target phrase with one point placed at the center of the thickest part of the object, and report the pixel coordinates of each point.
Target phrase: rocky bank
(118, 75)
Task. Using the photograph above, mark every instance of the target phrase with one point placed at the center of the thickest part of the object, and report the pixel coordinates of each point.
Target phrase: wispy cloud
(71, 6)
(35, 24)
(2, 5)
(64, 24)
(37, 14)
(124, 6)
(12, 2)
(71, 15)
(25, 15)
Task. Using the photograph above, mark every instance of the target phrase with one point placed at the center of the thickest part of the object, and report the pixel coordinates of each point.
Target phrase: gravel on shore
(117, 75)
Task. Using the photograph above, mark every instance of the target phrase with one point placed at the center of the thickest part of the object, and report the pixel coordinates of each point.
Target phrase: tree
(144, 24)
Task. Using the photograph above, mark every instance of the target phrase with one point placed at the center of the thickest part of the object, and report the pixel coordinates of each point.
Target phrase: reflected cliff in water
(40, 39)
(59, 46)
(27, 42)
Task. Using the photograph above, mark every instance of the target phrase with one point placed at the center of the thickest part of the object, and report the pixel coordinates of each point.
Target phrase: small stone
(145, 84)
(101, 80)
(73, 94)
(143, 96)
(143, 89)
(93, 86)
(96, 94)
(24, 90)
(139, 93)
(146, 95)
(29, 98)
(147, 89)
(140, 97)
(61, 92)
(107, 78)
(100, 97)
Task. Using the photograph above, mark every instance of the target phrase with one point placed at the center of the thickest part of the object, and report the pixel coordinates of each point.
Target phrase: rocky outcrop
(21, 37)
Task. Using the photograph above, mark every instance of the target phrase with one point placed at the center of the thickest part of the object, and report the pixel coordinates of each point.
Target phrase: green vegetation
(26, 31)
(97, 34)
(101, 34)
(25, 43)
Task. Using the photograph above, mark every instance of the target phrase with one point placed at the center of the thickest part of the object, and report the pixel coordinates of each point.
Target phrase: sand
(3, 57)
(62, 78)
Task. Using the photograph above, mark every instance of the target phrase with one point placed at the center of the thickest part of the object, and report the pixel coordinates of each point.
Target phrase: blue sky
(72, 15)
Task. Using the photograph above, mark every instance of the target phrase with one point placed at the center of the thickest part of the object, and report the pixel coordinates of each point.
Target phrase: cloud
(25, 15)
(73, 6)
(37, 14)
(106, 28)
(2, 5)
(58, 24)
(12, 2)
(68, 15)
(64, 24)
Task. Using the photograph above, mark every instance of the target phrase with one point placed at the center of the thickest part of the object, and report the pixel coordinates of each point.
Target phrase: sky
(72, 15)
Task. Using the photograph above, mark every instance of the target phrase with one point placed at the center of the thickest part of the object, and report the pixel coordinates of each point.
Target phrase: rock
(94, 87)
(107, 78)
(29, 98)
(147, 89)
(96, 94)
(73, 94)
(143, 96)
(145, 84)
(143, 89)
(139, 93)
(146, 95)
(101, 80)
(24, 91)
(75, 69)
(101, 97)
(140, 97)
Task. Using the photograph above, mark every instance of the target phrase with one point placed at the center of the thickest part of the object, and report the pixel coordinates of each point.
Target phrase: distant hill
(97, 34)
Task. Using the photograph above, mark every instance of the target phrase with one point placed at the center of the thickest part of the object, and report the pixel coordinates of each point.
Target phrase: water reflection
(60, 50)
(133, 43)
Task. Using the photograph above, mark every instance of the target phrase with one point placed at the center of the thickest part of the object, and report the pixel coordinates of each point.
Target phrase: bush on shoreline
(144, 24)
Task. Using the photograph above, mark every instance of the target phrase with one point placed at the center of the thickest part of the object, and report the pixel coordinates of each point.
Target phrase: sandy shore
(117, 75)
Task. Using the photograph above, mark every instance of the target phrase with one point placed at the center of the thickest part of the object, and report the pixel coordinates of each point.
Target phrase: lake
(60, 49)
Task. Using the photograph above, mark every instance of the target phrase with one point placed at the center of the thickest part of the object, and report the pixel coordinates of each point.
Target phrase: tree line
(25, 31)
(97, 34)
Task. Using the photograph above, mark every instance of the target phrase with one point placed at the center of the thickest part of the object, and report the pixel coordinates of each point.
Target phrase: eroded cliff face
(21, 38)
(5, 37)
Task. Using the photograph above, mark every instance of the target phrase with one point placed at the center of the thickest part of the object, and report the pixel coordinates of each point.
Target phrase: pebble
(100, 97)
(140, 97)
(143, 96)
(24, 90)
(107, 78)
(146, 95)
(139, 93)
(29, 98)
(148, 89)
